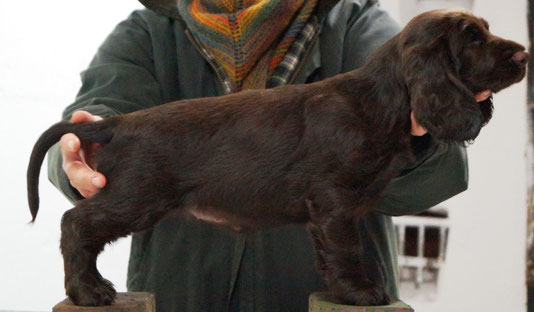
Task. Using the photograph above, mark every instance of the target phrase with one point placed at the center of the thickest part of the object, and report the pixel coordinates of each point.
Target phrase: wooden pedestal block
(320, 302)
(125, 302)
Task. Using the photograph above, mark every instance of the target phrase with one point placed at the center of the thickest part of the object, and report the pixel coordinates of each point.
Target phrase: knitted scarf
(246, 38)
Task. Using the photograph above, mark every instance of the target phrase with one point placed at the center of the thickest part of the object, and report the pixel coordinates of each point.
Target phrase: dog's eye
(474, 37)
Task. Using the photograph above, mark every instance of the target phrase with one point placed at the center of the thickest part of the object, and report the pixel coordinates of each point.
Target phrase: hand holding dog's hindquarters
(77, 162)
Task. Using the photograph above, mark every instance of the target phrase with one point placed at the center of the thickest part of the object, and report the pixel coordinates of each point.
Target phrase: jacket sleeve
(440, 171)
(120, 79)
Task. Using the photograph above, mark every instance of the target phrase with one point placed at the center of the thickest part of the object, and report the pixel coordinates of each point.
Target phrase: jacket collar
(169, 8)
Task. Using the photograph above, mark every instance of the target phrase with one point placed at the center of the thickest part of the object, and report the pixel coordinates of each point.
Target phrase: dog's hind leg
(80, 245)
(87, 228)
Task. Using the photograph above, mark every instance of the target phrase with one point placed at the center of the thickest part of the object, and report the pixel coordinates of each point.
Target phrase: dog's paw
(89, 290)
(368, 296)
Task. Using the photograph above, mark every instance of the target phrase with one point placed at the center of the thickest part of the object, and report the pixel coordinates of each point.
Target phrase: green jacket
(193, 266)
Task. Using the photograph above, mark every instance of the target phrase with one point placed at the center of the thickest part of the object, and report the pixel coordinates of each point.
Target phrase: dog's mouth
(516, 73)
(504, 73)
(486, 108)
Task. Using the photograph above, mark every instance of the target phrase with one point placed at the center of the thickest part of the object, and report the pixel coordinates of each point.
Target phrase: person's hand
(483, 95)
(77, 161)
(417, 130)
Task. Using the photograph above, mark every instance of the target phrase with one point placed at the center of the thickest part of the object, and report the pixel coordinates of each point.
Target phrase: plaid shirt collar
(289, 66)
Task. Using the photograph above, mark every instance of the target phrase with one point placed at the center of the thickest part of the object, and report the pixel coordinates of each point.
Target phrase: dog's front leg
(340, 251)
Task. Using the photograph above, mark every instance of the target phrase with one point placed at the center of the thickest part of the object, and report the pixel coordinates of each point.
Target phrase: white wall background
(44, 46)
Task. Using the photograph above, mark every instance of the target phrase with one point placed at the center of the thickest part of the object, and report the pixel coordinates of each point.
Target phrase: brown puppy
(319, 154)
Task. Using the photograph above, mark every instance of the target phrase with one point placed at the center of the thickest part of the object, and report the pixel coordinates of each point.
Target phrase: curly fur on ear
(441, 103)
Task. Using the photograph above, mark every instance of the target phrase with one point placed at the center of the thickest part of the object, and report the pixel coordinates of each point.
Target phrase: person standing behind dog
(196, 48)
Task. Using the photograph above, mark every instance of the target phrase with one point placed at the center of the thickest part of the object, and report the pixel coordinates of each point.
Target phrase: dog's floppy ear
(441, 103)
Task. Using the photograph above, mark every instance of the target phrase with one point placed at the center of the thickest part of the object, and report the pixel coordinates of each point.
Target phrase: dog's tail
(89, 132)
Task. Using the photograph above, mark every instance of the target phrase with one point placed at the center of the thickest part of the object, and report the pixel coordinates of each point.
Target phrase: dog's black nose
(521, 57)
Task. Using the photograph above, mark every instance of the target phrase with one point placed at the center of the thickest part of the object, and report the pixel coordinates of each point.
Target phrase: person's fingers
(86, 194)
(86, 180)
(417, 130)
(70, 146)
(483, 95)
(83, 116)
(83, 178)
(80, 176)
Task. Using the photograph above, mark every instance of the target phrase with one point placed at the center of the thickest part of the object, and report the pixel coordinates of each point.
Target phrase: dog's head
(447, 56)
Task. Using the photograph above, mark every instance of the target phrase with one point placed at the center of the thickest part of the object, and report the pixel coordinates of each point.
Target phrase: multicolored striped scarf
(247, 39)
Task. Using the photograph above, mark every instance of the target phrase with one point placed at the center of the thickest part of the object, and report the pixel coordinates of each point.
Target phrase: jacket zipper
(223, 83)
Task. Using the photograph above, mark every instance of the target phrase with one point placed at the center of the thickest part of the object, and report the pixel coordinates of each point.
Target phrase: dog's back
(218, 155)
